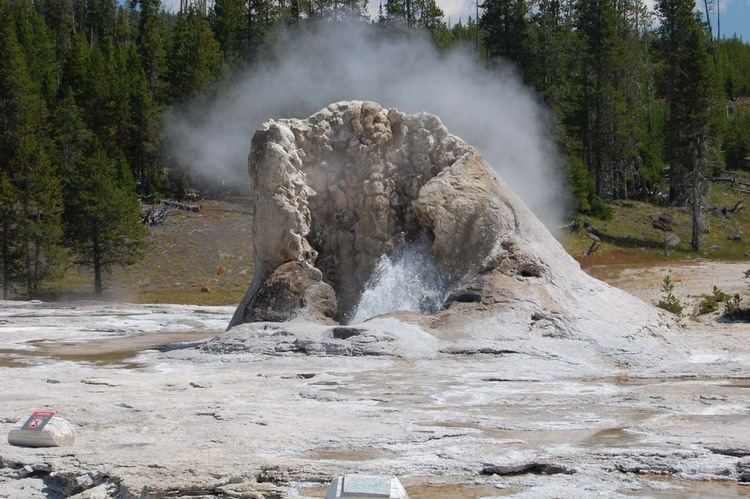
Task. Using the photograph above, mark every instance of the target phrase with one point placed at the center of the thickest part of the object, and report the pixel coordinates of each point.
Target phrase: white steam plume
(327, 62)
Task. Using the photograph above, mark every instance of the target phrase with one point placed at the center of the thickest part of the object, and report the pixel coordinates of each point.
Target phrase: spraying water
(407, 280)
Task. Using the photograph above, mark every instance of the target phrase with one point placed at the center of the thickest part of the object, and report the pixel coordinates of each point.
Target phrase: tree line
(646, 105)
(633, 91)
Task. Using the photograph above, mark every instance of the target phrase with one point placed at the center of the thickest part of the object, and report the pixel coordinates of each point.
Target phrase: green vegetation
(710, 303)
(193, 258)
(103, 216)
(733, 57)
(630, 237)
(643, 114)
(644, 111)
(669, 301)
(737, 141)
(732, 308)
(689, 97)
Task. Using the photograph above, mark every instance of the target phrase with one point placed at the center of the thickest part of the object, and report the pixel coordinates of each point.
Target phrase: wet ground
(157, 418)
(119, 351)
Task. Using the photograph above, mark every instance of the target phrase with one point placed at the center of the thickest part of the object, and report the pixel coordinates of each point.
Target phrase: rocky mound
(334, 193)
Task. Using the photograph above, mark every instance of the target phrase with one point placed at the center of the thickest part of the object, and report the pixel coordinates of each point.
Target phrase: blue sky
(735, 18)
(735, 14)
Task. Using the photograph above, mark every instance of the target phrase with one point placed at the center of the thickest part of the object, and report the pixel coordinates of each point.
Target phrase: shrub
(601, 210)
(669, 301)
(720, 295)
(710, 303)
(732, 306)
(737, 140)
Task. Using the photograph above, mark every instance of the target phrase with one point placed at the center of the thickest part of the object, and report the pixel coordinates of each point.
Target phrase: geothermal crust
(335, 192)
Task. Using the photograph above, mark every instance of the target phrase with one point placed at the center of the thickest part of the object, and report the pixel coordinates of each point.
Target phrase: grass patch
(200, 258)
(629, 238)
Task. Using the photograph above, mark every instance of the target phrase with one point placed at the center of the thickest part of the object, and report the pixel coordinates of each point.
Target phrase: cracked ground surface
(155, 417)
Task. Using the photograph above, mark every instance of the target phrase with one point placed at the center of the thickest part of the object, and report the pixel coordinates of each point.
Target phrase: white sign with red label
(38, 420)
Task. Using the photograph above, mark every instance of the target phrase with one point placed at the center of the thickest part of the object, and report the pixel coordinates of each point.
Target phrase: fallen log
(733, 179)
(726, 211)
(155, 214)
(592, 249)
(592, 231)
(191, 207)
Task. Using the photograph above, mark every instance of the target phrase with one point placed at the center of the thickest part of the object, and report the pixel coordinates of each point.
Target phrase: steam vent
(337, 193)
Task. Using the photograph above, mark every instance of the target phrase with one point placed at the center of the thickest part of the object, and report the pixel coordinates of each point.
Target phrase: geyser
(360, 210)
(336, 193)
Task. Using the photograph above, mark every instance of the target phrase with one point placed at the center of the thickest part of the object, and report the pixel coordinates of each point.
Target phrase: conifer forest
(647, 104)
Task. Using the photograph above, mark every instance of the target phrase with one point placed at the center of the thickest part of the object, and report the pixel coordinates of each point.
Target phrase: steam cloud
(327, 62)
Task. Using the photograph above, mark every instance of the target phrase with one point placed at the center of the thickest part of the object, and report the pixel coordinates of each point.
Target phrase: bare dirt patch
(692, 279)
(194, 258)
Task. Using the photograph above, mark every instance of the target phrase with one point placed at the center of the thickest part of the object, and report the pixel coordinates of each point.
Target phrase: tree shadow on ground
(629, 241)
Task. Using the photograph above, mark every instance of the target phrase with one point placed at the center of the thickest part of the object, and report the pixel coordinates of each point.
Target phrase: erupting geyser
(334, 193)
(360, 210)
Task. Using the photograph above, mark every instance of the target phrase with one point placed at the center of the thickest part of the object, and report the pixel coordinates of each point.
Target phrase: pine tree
(75, 71)
(31, 185)
(226, 21)
(38, 45)
(116, 88)
(103, 216)
(195, 57)
(71, 135)
(396, 11)
(598, 27)
(506, 27)
(260, 16)
(428, 15)
(13, 101)
(100, 20)
(689, 93)
(630, 74)
(60, 17)
(610, 100)
(40, 202)
(151, 42)
(550, 31)
(142, 145)
(9, 226)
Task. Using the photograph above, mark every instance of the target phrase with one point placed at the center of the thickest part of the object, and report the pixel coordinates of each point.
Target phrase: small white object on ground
(366, 487)
(43, 429)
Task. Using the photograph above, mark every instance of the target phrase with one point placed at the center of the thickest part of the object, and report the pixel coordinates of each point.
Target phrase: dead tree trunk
(97, 269)
(6, 262)
(27, 255)
(696, 195)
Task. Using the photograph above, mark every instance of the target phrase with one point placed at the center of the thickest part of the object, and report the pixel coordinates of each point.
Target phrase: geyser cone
(337, 191)
(355, 182)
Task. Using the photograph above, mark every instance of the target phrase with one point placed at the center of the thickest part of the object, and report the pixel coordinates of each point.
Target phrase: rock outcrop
(335, 192)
